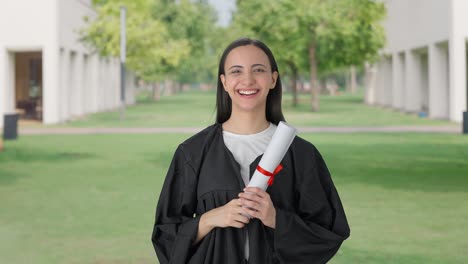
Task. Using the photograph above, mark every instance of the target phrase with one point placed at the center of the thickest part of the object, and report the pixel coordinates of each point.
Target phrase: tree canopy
(164, 38)
(316, 35)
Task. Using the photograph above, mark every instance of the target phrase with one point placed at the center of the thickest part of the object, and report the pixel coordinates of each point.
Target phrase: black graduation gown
(310, 220)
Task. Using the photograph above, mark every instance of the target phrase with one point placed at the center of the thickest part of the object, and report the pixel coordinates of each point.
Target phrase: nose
(248, 78)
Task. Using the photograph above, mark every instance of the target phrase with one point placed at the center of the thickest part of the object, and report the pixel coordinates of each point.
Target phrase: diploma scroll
(274, 153)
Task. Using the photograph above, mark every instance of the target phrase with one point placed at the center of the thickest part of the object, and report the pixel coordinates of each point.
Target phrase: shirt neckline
(261, 133)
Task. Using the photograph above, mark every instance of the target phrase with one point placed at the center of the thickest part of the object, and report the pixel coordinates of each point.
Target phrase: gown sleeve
(314, 232)
(176, 227)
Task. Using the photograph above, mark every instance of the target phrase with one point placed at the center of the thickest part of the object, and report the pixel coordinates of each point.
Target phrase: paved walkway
(192, 130)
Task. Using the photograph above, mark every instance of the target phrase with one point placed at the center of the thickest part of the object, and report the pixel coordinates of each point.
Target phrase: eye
(235, 71)
(259, 70)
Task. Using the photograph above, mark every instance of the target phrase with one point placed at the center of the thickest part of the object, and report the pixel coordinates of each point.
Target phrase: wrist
(205, 221)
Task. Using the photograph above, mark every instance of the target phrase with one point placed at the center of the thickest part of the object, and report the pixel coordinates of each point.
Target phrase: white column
(78, 85)
(51, 84)
(380, 82)
(72, 85)
(64, 84)
(438, 82)
(424, 81)
(413, 88)
(371, 82)
(102, 86)
(86, 85)
(3, 82)
(457, 51)
(388, 82)
(7, 83)
(94, 82)
(398, 81)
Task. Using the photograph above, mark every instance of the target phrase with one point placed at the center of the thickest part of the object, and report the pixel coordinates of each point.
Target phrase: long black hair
(273, 111)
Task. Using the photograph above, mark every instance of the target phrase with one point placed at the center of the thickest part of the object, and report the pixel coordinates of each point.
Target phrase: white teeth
(247, 92)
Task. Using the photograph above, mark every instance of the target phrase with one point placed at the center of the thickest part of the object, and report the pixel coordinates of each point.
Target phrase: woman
(202, 211)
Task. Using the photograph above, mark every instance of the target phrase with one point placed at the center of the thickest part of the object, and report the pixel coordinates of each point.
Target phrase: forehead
(246, 56)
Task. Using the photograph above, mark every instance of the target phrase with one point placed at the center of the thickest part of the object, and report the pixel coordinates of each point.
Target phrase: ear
(223, 80)
(274, 78)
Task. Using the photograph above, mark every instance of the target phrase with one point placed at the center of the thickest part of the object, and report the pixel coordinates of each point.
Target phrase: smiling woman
(248, 81)
(202, 211)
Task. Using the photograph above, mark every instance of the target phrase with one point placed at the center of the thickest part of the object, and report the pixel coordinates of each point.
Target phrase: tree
(194, 22)
(150, 48)
(329, 34)
(276, 25)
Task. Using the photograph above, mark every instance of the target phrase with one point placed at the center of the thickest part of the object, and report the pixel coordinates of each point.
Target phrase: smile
(247, 92)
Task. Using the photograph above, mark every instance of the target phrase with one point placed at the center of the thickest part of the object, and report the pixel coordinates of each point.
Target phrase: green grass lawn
(197, 109)
(91, 198)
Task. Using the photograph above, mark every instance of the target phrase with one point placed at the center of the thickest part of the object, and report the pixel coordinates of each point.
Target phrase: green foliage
(345, 32)
(164, 38)
(194, 22)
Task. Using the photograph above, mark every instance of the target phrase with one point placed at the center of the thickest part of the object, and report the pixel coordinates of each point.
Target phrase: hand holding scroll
(257, 203)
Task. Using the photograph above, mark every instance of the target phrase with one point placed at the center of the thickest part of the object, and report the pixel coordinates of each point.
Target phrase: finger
(251, 204)
(242, 218)
(237, 224)
(235, 203)
(252, 212)
(256, 191)
(250, 196)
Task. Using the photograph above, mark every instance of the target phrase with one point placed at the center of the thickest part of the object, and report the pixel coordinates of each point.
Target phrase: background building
(424, 65)
(46, 73)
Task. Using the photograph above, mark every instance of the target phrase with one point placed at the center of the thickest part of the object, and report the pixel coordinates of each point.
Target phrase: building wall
(75, 80)
(427, 43)
(26, 26)
(412, 24)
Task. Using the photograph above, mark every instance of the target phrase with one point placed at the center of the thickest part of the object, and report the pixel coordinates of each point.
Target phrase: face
(248, 78)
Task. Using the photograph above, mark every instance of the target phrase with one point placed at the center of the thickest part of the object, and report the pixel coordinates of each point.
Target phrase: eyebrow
(239, 66)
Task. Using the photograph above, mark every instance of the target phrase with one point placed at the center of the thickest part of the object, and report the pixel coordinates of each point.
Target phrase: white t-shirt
(245, 149)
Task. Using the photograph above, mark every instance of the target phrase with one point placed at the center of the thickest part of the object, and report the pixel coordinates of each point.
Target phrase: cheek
(231, 84)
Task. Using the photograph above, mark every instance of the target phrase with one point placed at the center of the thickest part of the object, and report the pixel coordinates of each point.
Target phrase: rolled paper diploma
(274, 153)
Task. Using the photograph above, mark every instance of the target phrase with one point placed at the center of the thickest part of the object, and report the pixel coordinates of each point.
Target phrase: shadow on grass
(19, 154)
(14, 157)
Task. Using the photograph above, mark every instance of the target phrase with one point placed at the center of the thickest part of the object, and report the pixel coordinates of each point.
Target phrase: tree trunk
(156, 91)
(168, 87)
(294, 75)
(353, 80)
(348, 81)
(315, 90)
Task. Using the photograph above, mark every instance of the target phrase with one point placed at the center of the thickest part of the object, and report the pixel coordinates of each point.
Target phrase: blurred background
(380, 87)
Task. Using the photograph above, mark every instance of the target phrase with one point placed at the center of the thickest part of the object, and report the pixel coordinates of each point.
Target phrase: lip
(247, 92)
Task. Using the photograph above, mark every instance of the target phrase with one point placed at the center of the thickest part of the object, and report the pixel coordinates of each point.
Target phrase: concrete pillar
(438, 81)
(3, 82)
(78, 85)
(398, 80)
(387, 93)
(64, 84)
(94, 82)
(370, 83)
(424, 82)
(102, 87)
(413, 85)
(85, 85)
(7, 83)
(380, 82)
(72, 85)
(457, 60)
(51, 54)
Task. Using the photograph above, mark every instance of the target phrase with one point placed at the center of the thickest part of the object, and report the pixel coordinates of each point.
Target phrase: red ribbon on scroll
(269, 174)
